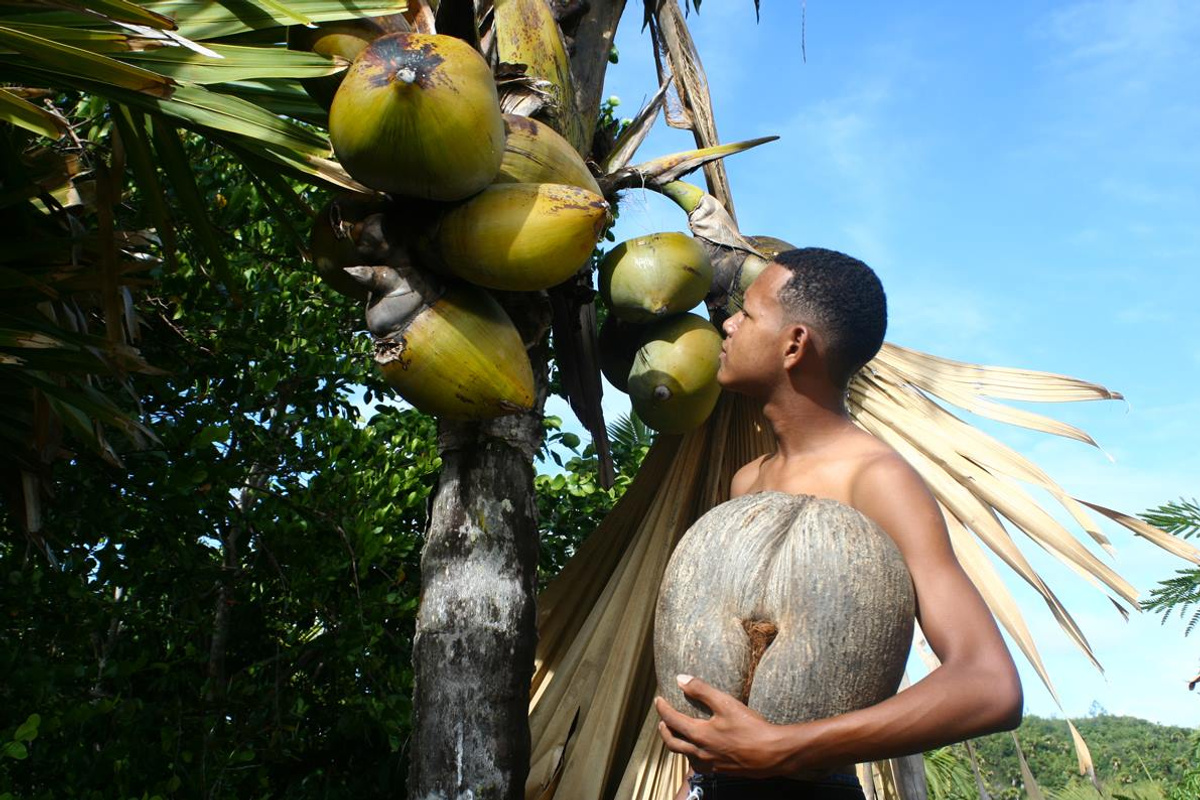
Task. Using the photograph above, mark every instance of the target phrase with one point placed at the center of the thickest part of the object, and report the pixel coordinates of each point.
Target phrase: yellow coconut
(653, 276)
(519, 236)
(418, 115)
(673, 383)
(459, 357)
(535, 153)
(344, 38)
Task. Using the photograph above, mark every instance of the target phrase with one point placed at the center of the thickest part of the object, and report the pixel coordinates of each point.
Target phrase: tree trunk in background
(477, 624)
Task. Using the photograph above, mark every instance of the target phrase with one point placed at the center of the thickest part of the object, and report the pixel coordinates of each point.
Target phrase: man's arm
(976, 690)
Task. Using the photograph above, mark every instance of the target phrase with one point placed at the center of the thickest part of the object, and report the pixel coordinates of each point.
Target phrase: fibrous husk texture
(829, 580)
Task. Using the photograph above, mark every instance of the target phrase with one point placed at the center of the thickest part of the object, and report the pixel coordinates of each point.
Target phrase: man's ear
(797, 344)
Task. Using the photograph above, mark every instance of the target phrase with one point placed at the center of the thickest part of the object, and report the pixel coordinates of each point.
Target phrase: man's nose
(729, 326)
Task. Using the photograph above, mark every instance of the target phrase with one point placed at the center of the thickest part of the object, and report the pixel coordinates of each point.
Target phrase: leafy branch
(1180, 594)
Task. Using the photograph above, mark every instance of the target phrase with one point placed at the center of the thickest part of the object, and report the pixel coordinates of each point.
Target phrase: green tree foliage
(228, 612)
(1188, 787)
(1182, 593)
(948, 774)
(233, 611)
(1135, 759)
(571, 500)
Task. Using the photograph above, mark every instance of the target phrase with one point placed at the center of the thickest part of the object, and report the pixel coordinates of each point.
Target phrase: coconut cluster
(651, 346)
(466, 200)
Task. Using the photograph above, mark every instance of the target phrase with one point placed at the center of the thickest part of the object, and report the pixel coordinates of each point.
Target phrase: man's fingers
(677, 744)
(696, 689)
(679, 723)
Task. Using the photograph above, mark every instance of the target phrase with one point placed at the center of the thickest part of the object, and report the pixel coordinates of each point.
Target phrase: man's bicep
(953, 616)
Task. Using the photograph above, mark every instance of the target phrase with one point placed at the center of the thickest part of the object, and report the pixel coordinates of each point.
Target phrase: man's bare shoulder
(890, 491)
(745, 478)
(881, 470)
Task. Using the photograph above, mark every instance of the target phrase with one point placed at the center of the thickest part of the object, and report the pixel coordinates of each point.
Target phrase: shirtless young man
(808, 323)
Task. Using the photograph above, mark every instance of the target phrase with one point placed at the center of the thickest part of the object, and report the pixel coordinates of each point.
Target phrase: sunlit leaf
(235, 64)
(65, 59)
(121, 11)
(25, 114)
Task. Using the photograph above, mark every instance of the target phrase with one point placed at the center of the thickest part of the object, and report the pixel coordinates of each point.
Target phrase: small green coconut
(673, 382)
(654, 276)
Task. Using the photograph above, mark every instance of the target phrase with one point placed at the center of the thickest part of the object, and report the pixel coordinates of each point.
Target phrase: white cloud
(1139, 41)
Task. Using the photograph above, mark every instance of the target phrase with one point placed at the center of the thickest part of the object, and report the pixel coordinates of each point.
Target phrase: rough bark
(476, 628)
(589, 60)
(477, 624)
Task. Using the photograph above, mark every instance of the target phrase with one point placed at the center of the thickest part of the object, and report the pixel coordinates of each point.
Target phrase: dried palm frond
(593, 681)
(594, 728)
(678, 62)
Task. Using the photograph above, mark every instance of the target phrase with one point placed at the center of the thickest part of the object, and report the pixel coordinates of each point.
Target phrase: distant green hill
(1125, 750)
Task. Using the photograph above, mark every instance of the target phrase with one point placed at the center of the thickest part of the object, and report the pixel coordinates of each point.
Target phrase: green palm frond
(1181, 517)
(1180, 595)
(630, 440)
(104, 98)
(948, 774)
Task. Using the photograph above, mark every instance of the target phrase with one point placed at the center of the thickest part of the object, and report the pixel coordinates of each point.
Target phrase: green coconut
(654, 276)
(673, 382)
(454, 352)
(535, 153)
(619, 342)
(752, 267)
(418, 115)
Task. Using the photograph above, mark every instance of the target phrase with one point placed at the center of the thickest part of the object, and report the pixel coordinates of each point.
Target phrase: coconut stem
(406, 75)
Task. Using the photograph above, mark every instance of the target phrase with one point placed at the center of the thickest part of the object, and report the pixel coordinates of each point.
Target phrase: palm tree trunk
(476, 628)
(477, 623)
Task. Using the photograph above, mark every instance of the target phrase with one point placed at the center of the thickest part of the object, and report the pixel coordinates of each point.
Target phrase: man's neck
(804, 423)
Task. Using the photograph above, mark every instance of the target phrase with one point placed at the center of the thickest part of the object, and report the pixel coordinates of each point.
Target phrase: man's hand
(735, 740)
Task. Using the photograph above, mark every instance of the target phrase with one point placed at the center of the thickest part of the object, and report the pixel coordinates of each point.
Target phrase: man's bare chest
(830, 481)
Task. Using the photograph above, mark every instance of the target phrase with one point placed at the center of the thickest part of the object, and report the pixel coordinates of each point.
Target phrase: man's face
(752, 355)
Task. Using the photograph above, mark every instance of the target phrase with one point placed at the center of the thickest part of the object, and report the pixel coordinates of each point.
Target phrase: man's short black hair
(843, 299)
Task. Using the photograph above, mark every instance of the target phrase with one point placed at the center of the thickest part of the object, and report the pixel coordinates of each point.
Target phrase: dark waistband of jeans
(832, 779)
(836, 786)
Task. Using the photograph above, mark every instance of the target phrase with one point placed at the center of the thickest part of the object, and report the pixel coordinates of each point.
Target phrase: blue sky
(1024, 178)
